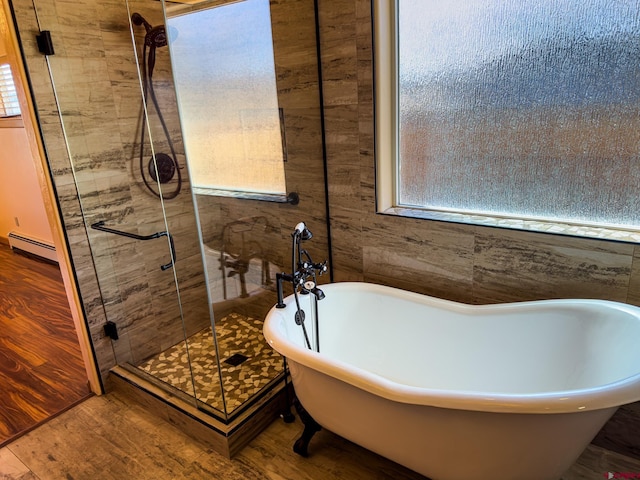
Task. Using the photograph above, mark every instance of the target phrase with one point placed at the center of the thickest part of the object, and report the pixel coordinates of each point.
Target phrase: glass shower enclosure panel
(224, 74)
(253, 147)
(112, 80)
(186, 257)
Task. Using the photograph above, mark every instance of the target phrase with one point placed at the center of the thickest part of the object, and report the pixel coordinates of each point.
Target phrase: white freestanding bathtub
(457, 392)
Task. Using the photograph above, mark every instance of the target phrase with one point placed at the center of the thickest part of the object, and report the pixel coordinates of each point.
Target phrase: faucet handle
(321, 267)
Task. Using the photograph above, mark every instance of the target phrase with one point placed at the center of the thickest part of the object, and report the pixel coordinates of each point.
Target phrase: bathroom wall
(459, 262)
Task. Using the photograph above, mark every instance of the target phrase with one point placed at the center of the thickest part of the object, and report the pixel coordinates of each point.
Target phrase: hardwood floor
(108, 437)
(41, 368)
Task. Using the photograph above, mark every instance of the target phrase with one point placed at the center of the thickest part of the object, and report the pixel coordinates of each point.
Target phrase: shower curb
(225, 439)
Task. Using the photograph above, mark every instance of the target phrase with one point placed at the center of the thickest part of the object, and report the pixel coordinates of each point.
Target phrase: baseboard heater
(35, 247)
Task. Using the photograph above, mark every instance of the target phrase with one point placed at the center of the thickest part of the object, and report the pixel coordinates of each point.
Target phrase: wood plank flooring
(41, 368)
(107, 438)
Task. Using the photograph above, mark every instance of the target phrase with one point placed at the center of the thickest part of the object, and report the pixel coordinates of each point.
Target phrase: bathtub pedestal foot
(287, 417)
(310, 428)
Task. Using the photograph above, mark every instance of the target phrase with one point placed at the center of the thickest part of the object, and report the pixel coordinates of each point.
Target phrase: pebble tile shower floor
(238, 337)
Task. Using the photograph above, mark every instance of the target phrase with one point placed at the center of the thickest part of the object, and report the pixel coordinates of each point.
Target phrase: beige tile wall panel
(514, 266)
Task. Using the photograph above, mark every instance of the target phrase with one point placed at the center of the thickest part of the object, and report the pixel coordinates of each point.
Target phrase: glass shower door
(116, 105)
(224, 73)
(185, 272)
(245, 74)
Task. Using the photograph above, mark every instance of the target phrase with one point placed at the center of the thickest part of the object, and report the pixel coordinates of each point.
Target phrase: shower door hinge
(111, 330)
(45, 44)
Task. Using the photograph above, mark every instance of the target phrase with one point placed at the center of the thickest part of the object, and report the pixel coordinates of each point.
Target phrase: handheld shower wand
(161, 167)
(303, 276)
(302, 232)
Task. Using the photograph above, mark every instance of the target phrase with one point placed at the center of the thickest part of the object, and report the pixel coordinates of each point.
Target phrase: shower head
(156, 36)
(138, 19)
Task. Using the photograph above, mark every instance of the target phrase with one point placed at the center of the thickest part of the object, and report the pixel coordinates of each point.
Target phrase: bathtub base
(449, 444)
(311, 427)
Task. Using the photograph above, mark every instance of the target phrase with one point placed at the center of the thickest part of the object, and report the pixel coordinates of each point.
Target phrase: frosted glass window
(225, 80)
(525, 109)
(9, 104)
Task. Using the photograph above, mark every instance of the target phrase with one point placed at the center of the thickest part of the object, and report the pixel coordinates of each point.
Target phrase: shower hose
(164, 167)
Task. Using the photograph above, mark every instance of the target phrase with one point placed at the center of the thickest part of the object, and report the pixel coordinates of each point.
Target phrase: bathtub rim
(613, 394)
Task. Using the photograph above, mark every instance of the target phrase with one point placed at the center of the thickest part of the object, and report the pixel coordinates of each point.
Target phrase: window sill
(540, 226)
(291, 198)
(11, 122)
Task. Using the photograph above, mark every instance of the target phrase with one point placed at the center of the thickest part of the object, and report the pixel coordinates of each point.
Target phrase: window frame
(11, 121)
(386, 127)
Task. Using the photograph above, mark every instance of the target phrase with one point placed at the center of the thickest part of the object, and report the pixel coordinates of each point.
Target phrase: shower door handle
(171, 247)
(100, 226)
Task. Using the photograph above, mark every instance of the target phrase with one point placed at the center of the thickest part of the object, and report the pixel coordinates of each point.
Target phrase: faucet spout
(280, 277)
(318, 293)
